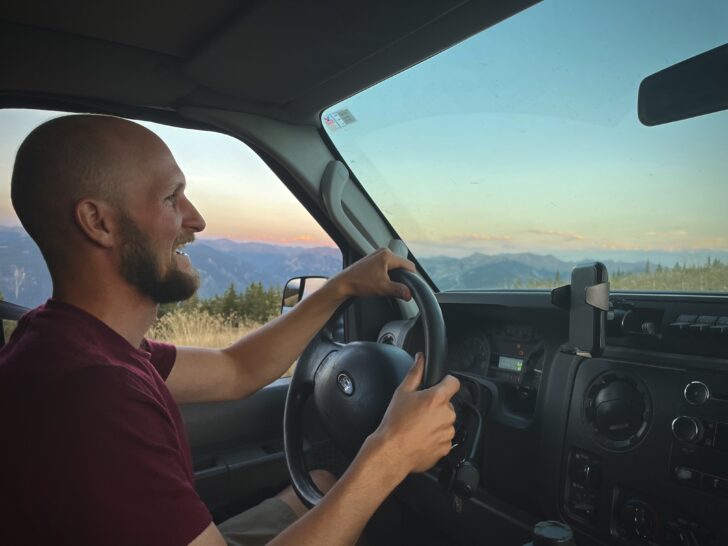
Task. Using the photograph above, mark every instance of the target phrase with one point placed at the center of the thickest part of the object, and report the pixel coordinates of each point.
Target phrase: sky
(525, 138)
(239, 196)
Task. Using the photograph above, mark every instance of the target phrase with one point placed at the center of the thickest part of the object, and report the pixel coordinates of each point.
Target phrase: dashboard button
(715, 485)
(721, 437)
(687, 429)
(696, 393)
(683, 322)
(584, 510)
(703, 323)
(688, 476)
(709, 429)
(638, 520)
(720, 329)
(586, 473)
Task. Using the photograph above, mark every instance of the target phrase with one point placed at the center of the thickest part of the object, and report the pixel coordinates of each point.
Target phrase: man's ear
(97, 221)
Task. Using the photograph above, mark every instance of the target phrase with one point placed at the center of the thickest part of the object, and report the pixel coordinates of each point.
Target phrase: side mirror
(299, 288)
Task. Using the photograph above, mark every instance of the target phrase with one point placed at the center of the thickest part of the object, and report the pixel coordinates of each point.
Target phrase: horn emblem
(346, 385)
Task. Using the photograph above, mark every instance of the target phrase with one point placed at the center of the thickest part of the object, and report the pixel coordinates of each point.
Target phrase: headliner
(285, 59)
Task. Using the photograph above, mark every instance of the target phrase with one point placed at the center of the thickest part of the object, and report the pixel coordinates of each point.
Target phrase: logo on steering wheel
(345, 384)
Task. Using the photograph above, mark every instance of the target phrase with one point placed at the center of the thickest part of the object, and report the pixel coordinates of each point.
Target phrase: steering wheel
(353, 383)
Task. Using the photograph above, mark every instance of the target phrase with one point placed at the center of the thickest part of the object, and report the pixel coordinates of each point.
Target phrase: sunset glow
(236, 192)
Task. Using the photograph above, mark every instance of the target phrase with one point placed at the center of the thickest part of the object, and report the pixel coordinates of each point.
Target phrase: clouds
(476, 238)
(564, 243)
(557, 234)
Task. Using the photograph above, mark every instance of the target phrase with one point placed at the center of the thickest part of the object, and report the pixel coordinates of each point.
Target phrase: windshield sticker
(340, 118)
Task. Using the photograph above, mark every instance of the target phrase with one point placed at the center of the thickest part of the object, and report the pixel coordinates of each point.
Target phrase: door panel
(237, 449)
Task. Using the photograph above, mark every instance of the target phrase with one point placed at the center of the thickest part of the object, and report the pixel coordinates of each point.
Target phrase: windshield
(511, 157)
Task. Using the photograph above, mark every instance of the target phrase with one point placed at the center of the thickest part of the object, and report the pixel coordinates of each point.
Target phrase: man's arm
(264, 355)
(415, 433)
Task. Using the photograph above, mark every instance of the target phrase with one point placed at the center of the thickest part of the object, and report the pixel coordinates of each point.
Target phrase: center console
(646, 458)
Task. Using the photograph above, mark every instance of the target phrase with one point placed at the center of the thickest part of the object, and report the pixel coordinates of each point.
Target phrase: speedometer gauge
(533, 369)
(471, 353)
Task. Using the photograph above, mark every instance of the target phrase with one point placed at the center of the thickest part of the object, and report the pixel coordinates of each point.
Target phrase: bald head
(72, 158)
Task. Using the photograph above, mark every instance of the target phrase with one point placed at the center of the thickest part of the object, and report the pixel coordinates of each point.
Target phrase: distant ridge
(25, 280)
(507, 270)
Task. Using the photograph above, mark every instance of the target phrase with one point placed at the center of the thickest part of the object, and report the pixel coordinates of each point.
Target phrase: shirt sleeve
(163, 356)
(110, 470)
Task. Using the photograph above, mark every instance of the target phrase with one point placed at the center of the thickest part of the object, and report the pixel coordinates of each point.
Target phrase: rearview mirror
(688, 89)
(299, 288)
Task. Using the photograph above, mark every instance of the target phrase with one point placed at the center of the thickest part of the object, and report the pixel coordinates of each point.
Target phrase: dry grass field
(199, 328)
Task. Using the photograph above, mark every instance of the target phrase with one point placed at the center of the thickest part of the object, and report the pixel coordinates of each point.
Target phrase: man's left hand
(370, 276)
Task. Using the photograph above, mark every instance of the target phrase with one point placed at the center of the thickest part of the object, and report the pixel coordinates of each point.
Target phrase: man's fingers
(396, 262)
(413, 379)
(399, 290)
(448, 387)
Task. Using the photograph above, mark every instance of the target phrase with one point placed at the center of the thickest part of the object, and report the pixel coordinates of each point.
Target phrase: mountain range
(24, 278)
(495, 271)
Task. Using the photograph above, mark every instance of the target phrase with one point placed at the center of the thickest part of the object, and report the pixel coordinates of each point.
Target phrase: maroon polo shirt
(92, 446)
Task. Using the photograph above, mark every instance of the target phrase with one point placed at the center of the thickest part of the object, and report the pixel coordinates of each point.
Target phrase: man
(94, 447)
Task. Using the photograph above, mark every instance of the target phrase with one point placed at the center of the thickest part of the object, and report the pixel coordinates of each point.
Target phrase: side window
(257, 237)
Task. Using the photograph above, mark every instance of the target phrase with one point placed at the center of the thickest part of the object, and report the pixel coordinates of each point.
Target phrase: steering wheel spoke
(320, 348)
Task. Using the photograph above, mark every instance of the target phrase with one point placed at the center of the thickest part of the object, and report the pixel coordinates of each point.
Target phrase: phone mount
(587, 300)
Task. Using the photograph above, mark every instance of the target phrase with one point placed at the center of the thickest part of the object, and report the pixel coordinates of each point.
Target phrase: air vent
(619, 408)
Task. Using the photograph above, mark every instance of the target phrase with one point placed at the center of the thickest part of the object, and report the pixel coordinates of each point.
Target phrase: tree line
(254, 304)
(712, 276)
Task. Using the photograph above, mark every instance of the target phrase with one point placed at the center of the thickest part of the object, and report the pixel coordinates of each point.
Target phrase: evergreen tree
(257, 304)
(229, 303)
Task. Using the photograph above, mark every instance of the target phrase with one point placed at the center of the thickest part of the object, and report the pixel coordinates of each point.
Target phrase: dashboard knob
(592, 475)
(687, 429)
(696, 393)
(552, 533)
(587, 473)
(638, 520)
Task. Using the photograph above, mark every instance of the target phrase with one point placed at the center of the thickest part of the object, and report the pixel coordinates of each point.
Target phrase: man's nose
(193, 219)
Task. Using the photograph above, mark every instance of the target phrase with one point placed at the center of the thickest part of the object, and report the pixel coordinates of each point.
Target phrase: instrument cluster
(509, 353)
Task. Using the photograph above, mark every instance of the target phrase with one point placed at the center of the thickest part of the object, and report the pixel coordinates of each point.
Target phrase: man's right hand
(418, 427)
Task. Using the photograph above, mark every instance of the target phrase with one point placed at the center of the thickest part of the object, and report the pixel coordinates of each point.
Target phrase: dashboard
(629, 448)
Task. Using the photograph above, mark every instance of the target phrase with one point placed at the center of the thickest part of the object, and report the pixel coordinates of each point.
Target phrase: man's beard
(140, 268)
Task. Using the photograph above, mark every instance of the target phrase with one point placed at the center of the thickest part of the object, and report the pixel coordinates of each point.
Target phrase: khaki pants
(260, 524)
